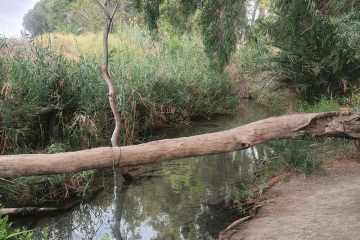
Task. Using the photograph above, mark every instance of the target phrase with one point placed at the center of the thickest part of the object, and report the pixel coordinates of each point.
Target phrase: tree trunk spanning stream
(344, 124)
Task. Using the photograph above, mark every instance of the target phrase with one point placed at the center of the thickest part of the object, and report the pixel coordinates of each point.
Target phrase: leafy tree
(318, 45)
(60, 14)
(174, 22)
(217, 21)
(72, 16)
(35, 20)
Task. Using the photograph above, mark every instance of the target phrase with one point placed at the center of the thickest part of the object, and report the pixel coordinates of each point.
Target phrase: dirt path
(315, 207)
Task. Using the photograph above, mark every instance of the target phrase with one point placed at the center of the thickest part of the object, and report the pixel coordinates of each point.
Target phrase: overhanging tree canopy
(217, 19)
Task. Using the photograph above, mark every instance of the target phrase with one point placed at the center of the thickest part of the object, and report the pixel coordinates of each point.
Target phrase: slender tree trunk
(296, 126)
(104, 69)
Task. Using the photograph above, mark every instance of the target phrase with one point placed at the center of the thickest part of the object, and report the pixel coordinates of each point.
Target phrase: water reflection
(188, 201)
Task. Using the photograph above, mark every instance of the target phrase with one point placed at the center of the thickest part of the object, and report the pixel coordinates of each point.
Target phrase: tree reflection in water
(187, 201)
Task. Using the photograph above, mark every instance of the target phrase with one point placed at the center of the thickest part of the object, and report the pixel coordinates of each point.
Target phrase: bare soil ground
(312, 207)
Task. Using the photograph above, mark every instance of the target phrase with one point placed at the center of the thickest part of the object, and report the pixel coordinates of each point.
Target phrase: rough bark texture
(343, 124)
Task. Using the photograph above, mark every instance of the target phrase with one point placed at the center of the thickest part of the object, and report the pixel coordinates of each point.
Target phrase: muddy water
(187, 200)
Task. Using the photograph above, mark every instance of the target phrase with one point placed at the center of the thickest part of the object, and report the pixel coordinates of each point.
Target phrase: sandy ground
(315, 207)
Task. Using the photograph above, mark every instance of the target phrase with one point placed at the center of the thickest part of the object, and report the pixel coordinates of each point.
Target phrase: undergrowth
(48, 98)
(292, 156)
(324, 104)
(39, 189)
(304, 157)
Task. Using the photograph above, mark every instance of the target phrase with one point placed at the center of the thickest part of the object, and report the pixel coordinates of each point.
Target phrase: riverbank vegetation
(170, 62)
(53, 102)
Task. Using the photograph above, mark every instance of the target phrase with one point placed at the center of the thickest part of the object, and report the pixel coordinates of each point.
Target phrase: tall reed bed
(53, 99)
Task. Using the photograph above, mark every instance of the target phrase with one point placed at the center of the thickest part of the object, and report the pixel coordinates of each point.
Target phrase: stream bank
(312, 207)
(188, 198)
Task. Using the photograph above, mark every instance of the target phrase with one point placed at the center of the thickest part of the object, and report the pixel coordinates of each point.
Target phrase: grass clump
(295, 156)
(289, 156)
(324, 104)
(292, 156)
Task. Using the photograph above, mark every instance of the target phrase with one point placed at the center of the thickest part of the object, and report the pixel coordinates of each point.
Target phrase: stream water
(188, 200)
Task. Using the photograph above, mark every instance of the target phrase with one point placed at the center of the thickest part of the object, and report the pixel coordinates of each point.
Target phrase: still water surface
(187, 201)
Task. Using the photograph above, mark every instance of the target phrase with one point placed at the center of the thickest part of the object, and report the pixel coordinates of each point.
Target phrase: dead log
(343, 124)
(35, 210)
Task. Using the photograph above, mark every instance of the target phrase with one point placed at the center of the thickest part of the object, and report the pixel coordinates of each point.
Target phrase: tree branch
(305, 31)
(102, 8)
(117, 3)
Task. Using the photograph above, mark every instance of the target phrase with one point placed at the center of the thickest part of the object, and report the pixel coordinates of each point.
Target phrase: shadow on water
(188, 200)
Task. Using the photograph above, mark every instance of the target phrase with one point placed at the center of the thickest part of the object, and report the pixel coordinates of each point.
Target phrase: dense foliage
(47, 98)
(217, 20)
(316, 45)
(308, 46)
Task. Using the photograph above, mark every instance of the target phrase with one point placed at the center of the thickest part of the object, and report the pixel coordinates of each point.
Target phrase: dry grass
(90, 44)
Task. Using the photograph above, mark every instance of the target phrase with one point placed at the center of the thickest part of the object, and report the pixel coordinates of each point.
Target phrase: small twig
(253, 210)
(247, 208)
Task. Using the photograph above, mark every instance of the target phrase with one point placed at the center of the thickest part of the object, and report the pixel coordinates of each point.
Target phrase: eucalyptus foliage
(217, 21)
(316, 44)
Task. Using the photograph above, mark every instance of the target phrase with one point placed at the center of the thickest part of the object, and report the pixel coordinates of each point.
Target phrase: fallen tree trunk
(344, 124)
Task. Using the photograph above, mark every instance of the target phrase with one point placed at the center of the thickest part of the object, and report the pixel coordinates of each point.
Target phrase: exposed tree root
(244, 219)
(234, 224)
